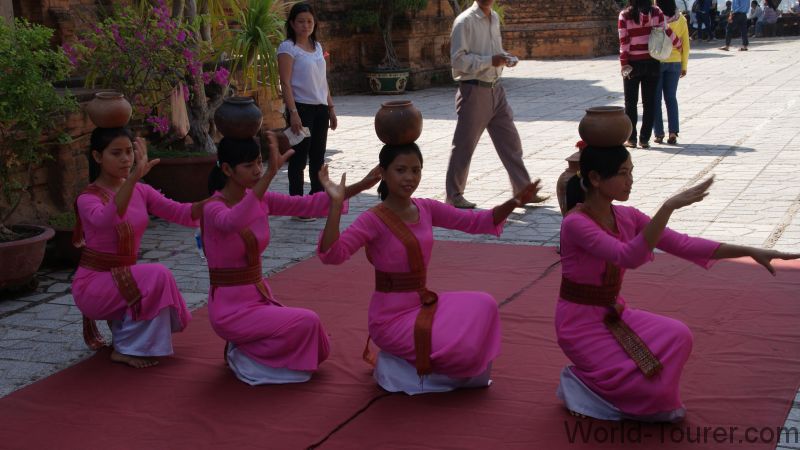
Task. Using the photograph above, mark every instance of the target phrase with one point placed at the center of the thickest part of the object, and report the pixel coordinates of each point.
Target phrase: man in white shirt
(478, 58)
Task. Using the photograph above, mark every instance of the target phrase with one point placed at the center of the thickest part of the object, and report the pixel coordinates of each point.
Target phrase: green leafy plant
(382, 14)
(254, 40)
(31, 110)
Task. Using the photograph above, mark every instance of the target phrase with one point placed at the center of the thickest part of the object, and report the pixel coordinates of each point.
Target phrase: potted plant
(390, 76)
(31, 112)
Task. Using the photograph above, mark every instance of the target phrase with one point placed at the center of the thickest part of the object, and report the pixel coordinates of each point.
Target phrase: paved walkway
(739, 121)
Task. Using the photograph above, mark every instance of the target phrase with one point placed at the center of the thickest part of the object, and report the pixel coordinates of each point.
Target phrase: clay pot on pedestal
(109, 110)
(605, 126)
(238, 118)
(398, 122)
(573, 165)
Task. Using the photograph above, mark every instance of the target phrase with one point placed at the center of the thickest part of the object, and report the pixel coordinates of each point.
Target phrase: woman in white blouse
(301, 63)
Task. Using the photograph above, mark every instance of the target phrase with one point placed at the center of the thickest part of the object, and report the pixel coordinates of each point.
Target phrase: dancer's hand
(276, 160)
(335, 191)
(692, 195)
(765, 256)
(528, 193)
(372, 178)
(142, 165)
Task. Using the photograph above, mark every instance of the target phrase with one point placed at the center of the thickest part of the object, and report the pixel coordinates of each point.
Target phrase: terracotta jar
(238, 118)
(573, 165)
(605, 126)
(398, 122)
(109, 110)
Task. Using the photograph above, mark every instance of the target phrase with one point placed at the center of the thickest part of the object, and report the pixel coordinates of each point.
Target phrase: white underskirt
(255, 373)
(145, 337)
(398, 375)
(579, 398)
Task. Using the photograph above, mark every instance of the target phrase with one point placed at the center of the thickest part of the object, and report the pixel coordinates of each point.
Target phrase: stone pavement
(739, 121)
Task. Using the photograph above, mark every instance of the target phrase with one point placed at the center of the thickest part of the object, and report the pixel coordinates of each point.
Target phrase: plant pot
(388, 81)
(398, 122)
(20, 259)
(182, 179)
(109, 110)
(60, 251)
(605, 126)
(238, 118)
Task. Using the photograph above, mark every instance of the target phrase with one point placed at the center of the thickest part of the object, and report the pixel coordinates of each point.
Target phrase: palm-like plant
(253, 42)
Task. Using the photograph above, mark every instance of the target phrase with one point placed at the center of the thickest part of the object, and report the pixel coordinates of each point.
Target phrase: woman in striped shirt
(638, 67)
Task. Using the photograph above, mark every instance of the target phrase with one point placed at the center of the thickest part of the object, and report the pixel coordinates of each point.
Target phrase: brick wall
(544, 29)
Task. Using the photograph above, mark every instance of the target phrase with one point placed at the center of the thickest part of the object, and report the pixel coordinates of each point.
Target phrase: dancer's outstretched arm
(654, 229)
(762, 256)
(276, 161)
(370, 180)
(140, 168)
(526, 195)
(337, 193)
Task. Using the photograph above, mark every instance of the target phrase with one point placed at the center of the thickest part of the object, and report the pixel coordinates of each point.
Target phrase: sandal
(743, 49)
(673, 139)
(644, 144)
(659, 139)
(630, 144)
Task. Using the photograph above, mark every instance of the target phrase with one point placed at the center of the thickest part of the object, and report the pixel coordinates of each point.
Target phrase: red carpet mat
(743, 372)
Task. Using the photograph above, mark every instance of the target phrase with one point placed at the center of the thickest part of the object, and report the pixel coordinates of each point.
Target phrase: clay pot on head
(109, 110)
(398, 122)
(238, 118)
(605, 126)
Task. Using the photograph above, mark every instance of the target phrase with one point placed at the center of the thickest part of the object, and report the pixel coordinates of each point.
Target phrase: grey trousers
(483, 108)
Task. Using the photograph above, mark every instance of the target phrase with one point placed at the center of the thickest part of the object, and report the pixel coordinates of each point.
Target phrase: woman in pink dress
(267, 343)
(141, 301)
(418, 354)
(627, 362)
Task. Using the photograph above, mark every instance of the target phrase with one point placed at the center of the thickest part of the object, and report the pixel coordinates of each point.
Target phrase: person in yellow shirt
(672, 70)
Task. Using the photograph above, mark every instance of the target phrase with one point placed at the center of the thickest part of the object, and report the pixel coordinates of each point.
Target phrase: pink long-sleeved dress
(466, 327)
(599, 360)
(267, 332)
(96, 293)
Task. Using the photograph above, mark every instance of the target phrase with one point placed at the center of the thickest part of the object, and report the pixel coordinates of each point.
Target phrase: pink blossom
(181, 36)
(221, 76)
(185, 92)
(194, 68)
(207, 76)
(160, 124)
